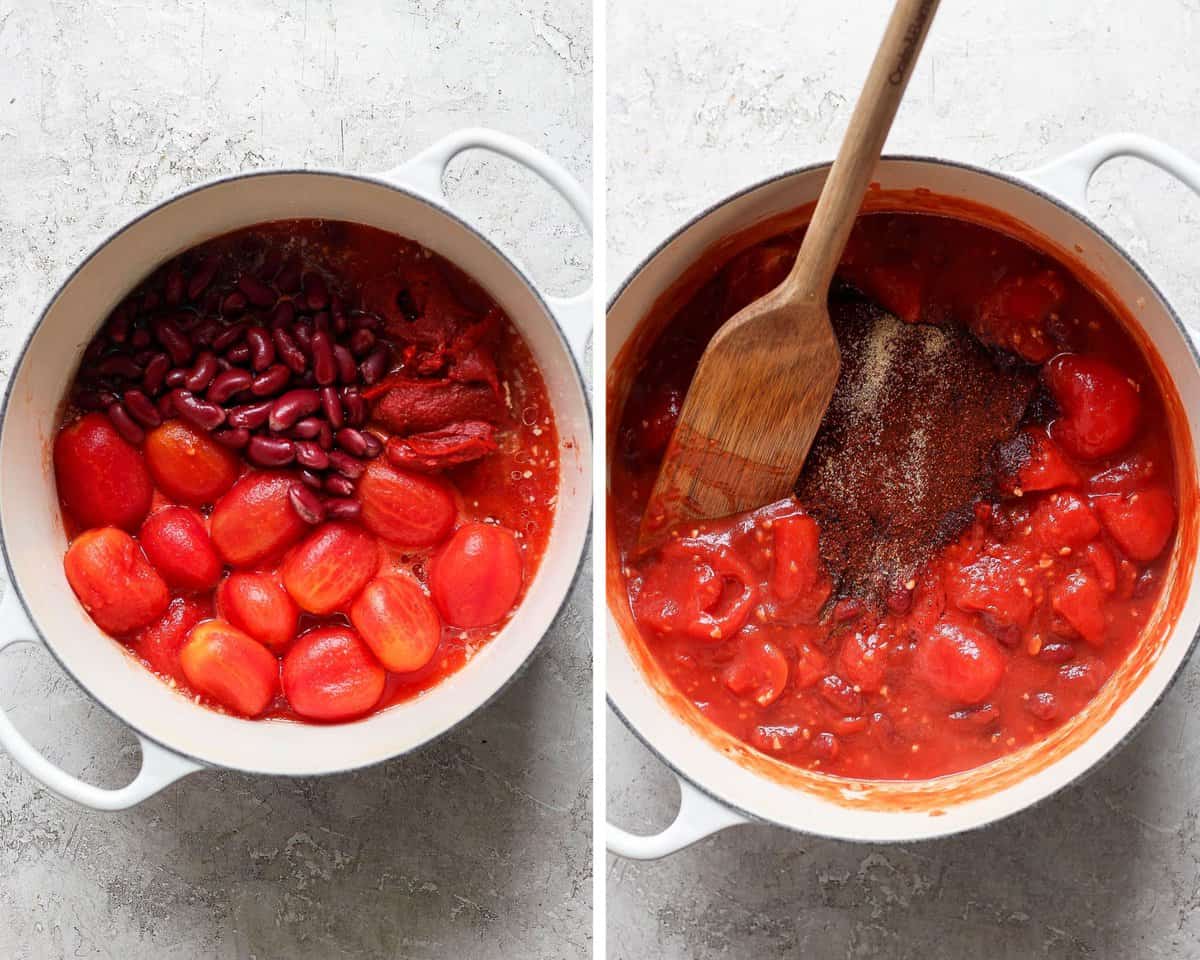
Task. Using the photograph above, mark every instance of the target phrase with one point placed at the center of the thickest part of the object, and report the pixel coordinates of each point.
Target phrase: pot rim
(374, 180)
(1015, 180)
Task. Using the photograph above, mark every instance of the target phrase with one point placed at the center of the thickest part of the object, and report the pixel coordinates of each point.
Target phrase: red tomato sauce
(446, 339)
(955, 578)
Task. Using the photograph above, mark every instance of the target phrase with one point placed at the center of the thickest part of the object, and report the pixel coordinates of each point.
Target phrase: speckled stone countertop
(705, 99)
(476, 847)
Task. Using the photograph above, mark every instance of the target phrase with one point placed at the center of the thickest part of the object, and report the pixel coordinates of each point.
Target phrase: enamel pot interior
(770, 790)
(32, 526)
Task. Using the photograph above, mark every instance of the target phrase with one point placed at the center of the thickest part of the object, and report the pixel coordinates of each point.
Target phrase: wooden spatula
(767, 376)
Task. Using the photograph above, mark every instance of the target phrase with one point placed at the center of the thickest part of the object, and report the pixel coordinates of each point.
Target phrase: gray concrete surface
(477, 847)
(705, 98)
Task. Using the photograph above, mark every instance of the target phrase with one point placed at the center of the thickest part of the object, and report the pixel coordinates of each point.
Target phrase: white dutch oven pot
(177, 736)
(722, 782)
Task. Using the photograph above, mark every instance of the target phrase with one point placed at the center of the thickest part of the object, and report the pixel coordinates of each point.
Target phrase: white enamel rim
(177, 736)
(716, 791)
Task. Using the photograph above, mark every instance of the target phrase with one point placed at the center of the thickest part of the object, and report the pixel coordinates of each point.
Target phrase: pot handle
(699, 816)
(160, 767)
(424, 174)
(1068, 176)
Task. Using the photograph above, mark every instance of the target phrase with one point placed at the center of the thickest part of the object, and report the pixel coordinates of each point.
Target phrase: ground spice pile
(906, 448)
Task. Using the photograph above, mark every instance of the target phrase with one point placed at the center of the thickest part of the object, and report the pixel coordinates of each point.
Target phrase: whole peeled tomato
(758, 672)
(177, 544)
(1099, 405)
(258, 604)
(407, 509)
(1140, 522)
(330, 566)
(189, 466)
(330, 675)
(959, 662)
(255, 520)
(113, 580)
(398, 622)
(159, 644)
(476, 577)
(102, 479)
(231, 667)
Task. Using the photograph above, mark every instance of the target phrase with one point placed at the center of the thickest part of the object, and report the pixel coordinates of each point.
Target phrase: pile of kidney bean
(269, 360)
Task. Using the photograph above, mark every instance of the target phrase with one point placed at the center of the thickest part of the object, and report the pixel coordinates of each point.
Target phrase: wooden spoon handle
(843, 192)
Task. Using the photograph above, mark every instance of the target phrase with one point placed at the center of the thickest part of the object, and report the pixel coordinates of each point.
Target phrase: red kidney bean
(211, 304)
(229, 336)
(342, 508)
(124, 423)
(374, 445)
(1043, 705)
(311, 479)
(339, 485)
(166, 406)
(352, 441)
(316, 294)
(223, 365)
(375, 366)
(337, 315)
(324, 366)
(354, 405)
(234, 303)
(186, 320)
(291, 407)
(361, 342)
(347, 370)
(325, 437)
(331, 403)
(288, 280)
(141, 408)
(321, 322)
(174, 289)
(310, 455)
(257, 292)
(175, 377)
(271, 381)
(206, 332)
(262, 348)
(140, 338)
(199, 413)
(841, 695)
(250, 416)
(150, 301)
(302, 334)
(119, 322)
(1058, 652)
(226, 384)
(143, 357)
(306, 503)
(306, 379)
(270, 451)
(202, 277)
(94, 399)
(364, 321)
(283, 315)
(346, 465)
(239, 353)
(167, 333)
(306, 429)
(235, 438)
(289, 352)
(119, 365)
(201, 375)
